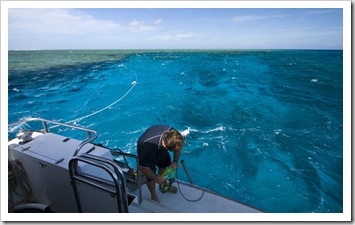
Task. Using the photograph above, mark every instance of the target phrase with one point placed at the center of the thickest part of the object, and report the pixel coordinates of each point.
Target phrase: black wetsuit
(151, 152)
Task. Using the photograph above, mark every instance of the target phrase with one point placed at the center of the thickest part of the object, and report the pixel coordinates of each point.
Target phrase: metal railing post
(187, 172)
(45, 128)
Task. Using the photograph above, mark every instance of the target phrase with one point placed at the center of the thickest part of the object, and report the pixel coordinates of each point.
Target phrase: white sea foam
(221, 128)
(185, 132)
(188, 130)
(15, 128)
(134, 132)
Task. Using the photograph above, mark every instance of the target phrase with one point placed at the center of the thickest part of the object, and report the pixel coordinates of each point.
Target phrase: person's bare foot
(155, 198)
(172, 189)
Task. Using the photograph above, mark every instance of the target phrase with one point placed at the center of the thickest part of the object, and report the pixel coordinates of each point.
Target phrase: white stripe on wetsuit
(157, 136)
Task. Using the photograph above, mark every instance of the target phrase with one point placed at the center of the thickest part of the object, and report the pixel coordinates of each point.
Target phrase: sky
(175, 28)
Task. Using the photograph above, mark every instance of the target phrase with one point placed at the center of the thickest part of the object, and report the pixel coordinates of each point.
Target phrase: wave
(188, 130)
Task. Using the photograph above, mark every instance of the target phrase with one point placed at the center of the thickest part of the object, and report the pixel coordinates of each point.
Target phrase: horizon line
(181, 49)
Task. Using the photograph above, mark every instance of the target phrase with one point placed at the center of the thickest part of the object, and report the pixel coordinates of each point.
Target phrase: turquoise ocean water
(264, 127)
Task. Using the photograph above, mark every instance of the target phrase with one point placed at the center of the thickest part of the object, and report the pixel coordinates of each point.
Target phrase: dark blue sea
(263, 127)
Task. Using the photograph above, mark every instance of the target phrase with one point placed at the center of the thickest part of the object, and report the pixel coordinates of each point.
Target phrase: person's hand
(174, 165)
(159, 179)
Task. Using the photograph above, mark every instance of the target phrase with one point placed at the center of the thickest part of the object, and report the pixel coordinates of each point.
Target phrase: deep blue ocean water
(265, 127)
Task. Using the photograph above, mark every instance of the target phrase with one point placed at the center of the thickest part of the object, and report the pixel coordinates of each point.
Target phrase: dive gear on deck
(165, 186)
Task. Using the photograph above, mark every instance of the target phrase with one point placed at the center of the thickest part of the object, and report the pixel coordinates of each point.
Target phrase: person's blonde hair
(173, 140)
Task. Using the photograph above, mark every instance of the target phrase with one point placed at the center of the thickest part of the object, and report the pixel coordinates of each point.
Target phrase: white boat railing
(111, 168)
(92, 134)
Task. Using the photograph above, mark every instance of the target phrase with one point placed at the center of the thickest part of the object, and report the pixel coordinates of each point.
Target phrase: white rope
(134, 83)
(112, 104)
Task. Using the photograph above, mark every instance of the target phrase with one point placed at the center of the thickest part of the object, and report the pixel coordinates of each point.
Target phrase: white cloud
(56, 28)
(319, 12)
(137, 25)
(158, 22)
(308, 32)
(238, 19)
(174, 36)
(134, 24)
(68, 21)
(58, 21)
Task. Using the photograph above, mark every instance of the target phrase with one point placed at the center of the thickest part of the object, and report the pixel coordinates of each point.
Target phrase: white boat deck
(175, 203)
